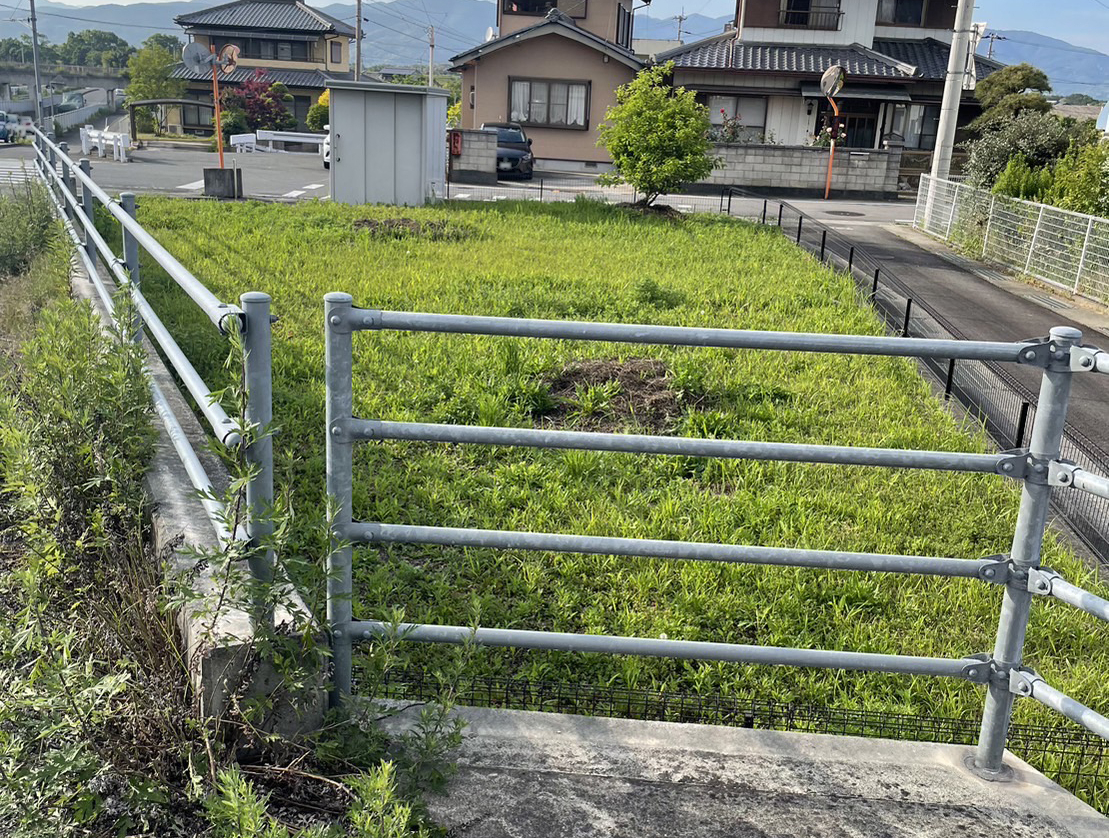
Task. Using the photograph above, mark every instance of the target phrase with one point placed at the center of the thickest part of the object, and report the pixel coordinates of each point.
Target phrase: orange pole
(215, 100)
(832, 151)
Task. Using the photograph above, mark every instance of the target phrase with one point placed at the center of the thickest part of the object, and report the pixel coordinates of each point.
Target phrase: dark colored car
(514, 157)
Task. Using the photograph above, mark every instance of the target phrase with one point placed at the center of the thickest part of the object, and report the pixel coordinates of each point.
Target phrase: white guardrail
(111, 143)
(1065, 249)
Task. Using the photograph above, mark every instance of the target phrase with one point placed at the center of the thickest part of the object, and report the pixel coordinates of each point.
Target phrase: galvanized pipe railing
(253, 320)
(1039, 467)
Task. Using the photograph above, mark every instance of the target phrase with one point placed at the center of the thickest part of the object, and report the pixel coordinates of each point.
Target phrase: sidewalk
(986, 305)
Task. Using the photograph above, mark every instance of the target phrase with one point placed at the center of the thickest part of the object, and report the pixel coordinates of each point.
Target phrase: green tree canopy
(1009, 92)
(150, 70)
(18, 50)
(1080, 99)
(95, 48)
(170, 43)
(657, 135)
(1039, 137)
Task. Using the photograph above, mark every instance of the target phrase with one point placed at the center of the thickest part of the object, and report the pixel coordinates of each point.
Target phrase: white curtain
(521, 92)
(575, 108)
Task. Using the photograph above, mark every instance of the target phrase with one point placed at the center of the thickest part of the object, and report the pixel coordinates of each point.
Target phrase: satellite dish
(490, 34)
(832, 81)
(197, 58)
(229, 58)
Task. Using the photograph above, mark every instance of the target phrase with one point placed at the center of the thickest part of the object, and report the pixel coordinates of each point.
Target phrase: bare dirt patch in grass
(404, 228)
(607, 395)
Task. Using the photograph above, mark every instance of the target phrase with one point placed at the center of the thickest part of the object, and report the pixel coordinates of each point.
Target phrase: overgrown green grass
(600, 263)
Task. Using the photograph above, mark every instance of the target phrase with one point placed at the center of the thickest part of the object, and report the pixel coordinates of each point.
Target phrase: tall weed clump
(27, 228)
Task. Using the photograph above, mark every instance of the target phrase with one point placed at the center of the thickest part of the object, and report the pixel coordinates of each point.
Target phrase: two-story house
(765, 69)
(554, 68)
(297, 45)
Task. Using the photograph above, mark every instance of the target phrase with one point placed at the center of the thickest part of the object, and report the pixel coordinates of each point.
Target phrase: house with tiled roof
(764, 70)
(294, 44)
(553, 66)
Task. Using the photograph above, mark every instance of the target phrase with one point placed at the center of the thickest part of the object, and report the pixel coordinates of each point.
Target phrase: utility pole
(35, 59)
(953, 90)
(681, 19)
(358, 41)
(993, 36)
(431, 56)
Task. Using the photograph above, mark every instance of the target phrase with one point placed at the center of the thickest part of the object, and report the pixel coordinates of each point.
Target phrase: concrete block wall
(801, 169)
(478, 161)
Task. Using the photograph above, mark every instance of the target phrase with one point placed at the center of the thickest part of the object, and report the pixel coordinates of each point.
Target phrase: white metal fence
(1065, 249)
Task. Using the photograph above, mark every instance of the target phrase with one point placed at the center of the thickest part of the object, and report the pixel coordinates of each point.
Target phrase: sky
(1082, 22)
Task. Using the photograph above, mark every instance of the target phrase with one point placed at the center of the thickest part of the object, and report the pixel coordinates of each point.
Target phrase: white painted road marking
(196, 184)
(314, 186)
(296, 193)
(13, 171)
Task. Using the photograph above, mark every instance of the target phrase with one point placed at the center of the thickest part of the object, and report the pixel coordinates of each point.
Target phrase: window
(901, 12)
(624, 22)
(539, 8)
(549, 104)
(922, 127)
(749, 110)
(193, 116)
(267, 50)
(336, 52)
(811, 14)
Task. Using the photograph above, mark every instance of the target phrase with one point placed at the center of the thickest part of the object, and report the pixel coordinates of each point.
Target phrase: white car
(327, 147)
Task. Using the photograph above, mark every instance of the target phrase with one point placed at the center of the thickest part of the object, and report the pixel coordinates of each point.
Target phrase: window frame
(504, 4)
(918, 25)
(335, 45)
(586, 83)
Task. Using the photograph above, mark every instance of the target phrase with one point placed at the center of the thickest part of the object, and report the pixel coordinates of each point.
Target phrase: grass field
(600, 263)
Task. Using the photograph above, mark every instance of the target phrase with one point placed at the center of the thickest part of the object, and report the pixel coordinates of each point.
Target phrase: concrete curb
(218, 638)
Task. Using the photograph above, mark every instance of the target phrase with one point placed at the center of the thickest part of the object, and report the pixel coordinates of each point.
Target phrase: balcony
(828, 20)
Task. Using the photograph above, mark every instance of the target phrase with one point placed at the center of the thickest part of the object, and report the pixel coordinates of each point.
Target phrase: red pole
(215, 100)
(832, 151)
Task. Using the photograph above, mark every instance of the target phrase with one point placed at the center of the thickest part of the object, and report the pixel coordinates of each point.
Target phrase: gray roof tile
(930, 56)
(724, 53)
(280, 15)
(289, 78)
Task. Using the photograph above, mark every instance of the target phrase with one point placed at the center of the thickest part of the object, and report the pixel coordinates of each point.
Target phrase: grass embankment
(600, 263)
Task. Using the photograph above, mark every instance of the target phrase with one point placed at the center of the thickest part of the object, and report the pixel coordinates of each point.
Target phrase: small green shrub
(1019, 180)
(1081, 182)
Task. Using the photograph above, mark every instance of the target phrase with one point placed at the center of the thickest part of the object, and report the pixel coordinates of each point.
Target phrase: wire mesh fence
(1065, 249)
(1004, 405)
(561, 189)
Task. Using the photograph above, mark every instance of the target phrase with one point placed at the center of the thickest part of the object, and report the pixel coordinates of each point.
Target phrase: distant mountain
(1071, 69)
(396, 33)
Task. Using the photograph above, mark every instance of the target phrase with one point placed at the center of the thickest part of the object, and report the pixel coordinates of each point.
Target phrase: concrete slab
(541, 775)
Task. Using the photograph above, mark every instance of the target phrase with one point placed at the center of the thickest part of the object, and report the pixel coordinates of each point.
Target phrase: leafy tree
(170, 43)
(1039, 137)
(1008, 92)
(261, 104)
(18, 50)
(1081, 181)
(150, 70)
(1080, 99)
(95, 48)
(657, 135)
(319, 114)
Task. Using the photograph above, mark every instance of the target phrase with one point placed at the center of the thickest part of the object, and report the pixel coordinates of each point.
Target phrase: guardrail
(1039, 466)
(1005, 405)
(75, 196)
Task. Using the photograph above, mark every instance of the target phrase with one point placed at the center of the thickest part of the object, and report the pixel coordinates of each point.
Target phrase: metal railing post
(1047, 435)
(989, 225)
(131, 259)
(763, 219)
(908, 314)
(340, 401)
(67, 178)
(851, 260)
(950, 379)
(874, 288)
(88, 206)
(1035, 236)
(1022, 424)
(800, 219)
(823, 243)
(258, 377)
(781, 209)
(1085, 250)
(52, 155)
(954, 210)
